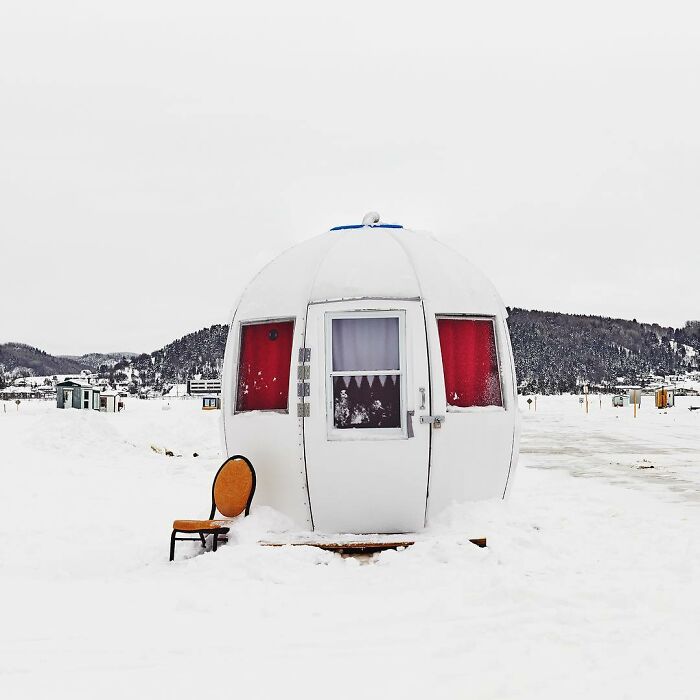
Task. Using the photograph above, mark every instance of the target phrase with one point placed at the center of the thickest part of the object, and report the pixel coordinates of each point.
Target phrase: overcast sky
(153, 155)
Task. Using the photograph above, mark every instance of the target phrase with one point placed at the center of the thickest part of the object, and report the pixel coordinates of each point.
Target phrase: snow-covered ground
(590, 586)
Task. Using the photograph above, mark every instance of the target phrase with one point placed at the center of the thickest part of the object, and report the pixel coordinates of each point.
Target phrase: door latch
(436, 421)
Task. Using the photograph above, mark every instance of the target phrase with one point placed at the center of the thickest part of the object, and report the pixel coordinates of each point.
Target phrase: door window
(263, 367)
(86, 399)
(470, 362)
(366, 362)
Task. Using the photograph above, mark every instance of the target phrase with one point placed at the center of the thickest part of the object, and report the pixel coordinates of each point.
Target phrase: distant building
(211, 403)
(12, 393)
(176, 391)
(634, 393)
(111, 402)
(200, 387)
(74, 393)
(664, 397)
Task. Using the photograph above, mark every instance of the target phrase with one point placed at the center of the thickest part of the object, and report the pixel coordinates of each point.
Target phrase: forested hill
(554, 351)
(197, 354)
(18, 359)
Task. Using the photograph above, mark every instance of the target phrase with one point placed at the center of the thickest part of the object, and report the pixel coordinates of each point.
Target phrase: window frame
(334, 433)
(499, 368)
(236, 386)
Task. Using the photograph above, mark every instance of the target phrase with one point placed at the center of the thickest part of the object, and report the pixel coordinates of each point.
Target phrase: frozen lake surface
(657, 448)
(589, 586)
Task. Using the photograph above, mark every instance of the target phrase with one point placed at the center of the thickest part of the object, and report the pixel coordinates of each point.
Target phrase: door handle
(422, 398)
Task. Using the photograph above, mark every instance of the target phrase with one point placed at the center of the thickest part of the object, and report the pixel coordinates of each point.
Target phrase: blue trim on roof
(350, 226)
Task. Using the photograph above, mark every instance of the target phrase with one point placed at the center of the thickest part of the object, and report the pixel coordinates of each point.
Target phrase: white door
(367, 453)
(67, 398)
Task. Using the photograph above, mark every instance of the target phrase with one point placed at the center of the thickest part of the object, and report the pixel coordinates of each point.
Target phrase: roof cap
(371, 219)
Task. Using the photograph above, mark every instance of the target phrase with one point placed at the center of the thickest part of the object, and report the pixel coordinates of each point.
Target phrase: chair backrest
(234, 487)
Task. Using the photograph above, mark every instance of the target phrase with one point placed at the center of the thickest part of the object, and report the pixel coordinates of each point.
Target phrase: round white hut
(369, 377)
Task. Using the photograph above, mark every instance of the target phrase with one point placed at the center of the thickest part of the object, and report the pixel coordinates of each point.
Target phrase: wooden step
(358, 546)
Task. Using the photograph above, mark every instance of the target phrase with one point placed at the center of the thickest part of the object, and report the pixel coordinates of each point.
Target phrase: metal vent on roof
(371, 219)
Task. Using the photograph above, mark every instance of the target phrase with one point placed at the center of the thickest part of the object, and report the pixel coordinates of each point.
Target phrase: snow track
(589, 586)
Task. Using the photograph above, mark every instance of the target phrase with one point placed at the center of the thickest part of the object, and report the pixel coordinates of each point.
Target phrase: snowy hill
(553, 352)
(199, 353)
(18, 359)
(95, 360)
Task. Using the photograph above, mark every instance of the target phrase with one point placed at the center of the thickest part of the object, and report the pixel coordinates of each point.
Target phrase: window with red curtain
(263, 366)
(469, 361)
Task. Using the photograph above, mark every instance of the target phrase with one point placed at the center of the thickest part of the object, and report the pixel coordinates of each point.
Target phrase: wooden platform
(358, 546)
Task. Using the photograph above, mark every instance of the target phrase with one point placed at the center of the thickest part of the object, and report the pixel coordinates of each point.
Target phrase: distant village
(87, 389)
(554, 353)
(686, 384)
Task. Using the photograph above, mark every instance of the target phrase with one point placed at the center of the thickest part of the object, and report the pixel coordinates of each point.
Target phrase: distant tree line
(554, 353)
(200, 353)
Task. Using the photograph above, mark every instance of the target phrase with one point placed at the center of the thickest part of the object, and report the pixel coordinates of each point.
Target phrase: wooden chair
(231, 494)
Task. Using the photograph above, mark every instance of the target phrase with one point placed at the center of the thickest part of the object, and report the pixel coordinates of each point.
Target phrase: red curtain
(263, 368)
(469, 362)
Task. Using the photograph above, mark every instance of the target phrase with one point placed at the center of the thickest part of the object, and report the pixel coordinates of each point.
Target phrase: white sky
(153, 155)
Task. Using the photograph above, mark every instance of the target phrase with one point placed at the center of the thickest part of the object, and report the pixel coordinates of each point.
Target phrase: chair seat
(197, 525)
(231, 495)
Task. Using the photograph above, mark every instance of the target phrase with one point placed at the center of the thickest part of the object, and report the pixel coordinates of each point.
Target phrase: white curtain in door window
(365, 344)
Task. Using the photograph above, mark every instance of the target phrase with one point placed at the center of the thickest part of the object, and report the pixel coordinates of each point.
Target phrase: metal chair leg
(204, 542)
(172, 545)
(216, 538)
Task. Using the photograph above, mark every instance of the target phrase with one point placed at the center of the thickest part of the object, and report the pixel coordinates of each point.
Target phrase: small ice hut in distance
(111, 401)
(73, 393)
(369, 377)
(664, 397)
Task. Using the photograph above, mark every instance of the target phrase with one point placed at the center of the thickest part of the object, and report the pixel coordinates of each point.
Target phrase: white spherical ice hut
(369, 378)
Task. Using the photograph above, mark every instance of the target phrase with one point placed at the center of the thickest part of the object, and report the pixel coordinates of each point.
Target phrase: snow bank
(588, 587)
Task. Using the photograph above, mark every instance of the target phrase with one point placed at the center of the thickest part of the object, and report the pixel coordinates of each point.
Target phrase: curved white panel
(472, 454)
